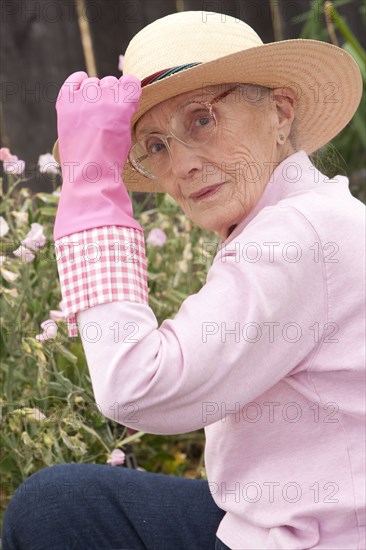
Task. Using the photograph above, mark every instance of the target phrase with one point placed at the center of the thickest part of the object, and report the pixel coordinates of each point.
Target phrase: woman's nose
(185, 160)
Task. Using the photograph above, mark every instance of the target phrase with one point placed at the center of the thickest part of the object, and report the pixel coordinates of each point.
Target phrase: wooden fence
(43, 41)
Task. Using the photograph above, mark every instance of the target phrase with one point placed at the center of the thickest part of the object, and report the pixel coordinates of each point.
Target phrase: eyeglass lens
(192, 124)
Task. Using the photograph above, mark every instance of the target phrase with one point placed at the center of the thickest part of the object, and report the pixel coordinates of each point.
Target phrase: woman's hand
(90, 110)
(94, 132)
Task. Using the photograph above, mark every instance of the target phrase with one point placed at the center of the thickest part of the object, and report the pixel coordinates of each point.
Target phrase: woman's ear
(284, 101)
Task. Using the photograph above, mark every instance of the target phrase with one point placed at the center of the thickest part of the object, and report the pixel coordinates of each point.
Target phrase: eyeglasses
(192, 124)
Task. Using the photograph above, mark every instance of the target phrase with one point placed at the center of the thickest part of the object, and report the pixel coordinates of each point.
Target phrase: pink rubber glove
(94, 132)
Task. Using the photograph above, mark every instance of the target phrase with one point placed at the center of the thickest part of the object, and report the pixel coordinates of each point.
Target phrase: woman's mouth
(205, 192)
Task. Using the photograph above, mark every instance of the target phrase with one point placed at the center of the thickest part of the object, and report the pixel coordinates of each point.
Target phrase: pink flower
(156, 237)
(4, 154)
(49, 330)
(48, 163)
(35, 238)
(8, 275)
(4, 228)
(24, 254)
(58, 315)
(120, 62)
(12, 165)
(117, 457)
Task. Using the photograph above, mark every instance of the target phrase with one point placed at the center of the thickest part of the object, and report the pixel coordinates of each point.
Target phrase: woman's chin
(212, 223)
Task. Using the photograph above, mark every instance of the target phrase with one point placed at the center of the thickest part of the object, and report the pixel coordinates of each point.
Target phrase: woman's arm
(251, 324)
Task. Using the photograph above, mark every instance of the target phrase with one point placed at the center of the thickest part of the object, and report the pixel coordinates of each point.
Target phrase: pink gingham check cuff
(100, 265)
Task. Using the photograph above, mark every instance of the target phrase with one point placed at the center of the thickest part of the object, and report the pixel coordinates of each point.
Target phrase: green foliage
(346, 153)
(48, 411)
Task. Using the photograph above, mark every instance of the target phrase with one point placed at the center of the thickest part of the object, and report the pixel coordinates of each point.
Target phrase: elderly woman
(268, 357)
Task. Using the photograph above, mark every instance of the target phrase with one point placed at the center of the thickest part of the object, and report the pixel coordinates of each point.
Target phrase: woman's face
(239, 157)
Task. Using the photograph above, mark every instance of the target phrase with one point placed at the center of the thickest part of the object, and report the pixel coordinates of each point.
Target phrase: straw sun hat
(193, 49)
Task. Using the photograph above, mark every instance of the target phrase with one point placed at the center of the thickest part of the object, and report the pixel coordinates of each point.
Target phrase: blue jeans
(102, 507)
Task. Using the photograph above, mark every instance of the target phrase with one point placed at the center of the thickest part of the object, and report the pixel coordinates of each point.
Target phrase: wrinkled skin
(241, 155)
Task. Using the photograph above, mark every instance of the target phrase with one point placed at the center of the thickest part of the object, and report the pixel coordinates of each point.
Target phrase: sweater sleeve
(98, 266)
(252, 324)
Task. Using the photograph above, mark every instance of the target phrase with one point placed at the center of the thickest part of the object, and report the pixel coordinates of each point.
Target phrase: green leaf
(48, 198)
(160, 197)
(7, 465)
(66, 353)
(358, 122)
(95, 435)
(346, 32)
(48, 211)
(131, 438)
(355, 54)
(67, 441)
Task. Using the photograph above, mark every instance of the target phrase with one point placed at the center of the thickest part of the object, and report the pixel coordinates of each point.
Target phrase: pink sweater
(268, 357)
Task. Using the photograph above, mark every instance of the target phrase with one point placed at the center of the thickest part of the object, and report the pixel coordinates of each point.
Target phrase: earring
(281, 137)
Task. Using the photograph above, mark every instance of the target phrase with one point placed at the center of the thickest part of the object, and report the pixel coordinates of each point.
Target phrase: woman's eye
(154, 147)
(203, 121)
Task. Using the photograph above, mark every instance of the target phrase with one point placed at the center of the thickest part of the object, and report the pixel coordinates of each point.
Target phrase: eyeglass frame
(164, 137)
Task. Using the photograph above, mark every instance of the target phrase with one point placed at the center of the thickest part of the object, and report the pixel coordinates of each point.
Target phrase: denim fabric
(101, 507)
(220, 545)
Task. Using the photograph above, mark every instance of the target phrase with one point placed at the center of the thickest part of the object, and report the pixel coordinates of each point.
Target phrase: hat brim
(326, 81)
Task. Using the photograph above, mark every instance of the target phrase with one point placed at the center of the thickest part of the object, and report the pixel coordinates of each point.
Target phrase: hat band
(166, 72)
